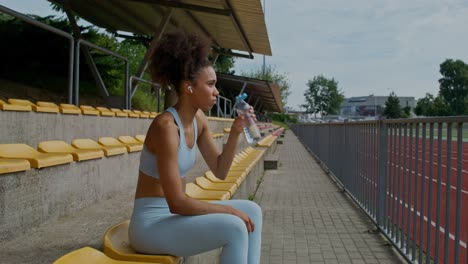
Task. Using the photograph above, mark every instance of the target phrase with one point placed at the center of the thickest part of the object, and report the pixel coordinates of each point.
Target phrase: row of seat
(206, 188)
(21, 157)
(49, 107)
(278, 131)
(270, 139)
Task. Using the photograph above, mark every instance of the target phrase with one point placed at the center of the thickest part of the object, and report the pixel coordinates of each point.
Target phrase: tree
(224, 64)
(323, 96)
(424, 105)
(454, 86)
(392, 107)
(272, 75)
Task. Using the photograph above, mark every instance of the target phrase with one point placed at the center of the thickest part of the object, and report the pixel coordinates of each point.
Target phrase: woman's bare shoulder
(161, 126)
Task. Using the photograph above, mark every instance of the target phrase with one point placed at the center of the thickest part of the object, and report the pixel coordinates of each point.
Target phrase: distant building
(370, 105)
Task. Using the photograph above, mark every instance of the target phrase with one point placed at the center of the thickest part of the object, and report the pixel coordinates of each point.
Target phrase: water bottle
(251, 132)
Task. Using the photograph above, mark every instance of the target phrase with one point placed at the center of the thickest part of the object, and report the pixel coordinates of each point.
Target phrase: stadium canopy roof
(231, 24)
(263, 95)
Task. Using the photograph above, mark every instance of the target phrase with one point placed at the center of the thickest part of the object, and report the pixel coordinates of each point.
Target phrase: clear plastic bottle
(251, 131)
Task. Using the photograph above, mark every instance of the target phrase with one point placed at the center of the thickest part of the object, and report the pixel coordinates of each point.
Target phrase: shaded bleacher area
(57, 161)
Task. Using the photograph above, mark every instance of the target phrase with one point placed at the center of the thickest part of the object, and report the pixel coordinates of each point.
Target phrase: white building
(370, 105)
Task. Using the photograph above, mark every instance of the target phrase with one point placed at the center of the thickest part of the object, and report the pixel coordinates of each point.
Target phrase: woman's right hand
(248, 222)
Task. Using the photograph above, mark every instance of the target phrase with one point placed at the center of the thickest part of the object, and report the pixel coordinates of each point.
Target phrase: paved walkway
(307, 219)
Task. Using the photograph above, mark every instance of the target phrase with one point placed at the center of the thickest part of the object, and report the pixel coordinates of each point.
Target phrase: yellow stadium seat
(130, 113)
(116, 246)
(14, 107)
(89, 110)
(13, 165)
(37, 159)
(112, 142)
(119, 113)
(194, 191)
(153, 114)
(227, 130)
(206, 184)
(232, 177)
(61, 147)
(46, 107)
(141, 114)
(140, 138)
(104, 111)
(86, 143)
(69, 109)
(89, 255)
(130, 140)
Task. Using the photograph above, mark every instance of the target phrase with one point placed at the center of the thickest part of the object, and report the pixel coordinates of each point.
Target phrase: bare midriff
(148, 186)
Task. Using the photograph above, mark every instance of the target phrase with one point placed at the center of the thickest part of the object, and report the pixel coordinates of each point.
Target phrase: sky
(367, 46)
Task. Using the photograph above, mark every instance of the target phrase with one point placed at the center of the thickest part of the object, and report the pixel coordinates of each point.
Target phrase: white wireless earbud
(190, 89)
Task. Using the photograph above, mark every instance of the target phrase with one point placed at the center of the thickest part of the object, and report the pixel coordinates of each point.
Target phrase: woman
(164, 220)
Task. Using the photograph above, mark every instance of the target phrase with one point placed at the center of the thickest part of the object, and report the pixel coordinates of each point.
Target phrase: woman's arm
(218, 162)
(165, 144)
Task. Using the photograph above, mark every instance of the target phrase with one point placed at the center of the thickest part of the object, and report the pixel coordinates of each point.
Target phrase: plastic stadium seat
(92, 256)
(69, 109)
(46, 107)
(86, 143)
(88, 110)
(37, 159)
(14, 107)
(194, 191)
(119, 113)
(153, 114)
(141, 114)
(130, 113)
(61, 147)
(13, 165)
(116, 246)
(140, 138)
(104, 111)
(217, 135)
(206, 184)
(112, 142)
(227, 130)
(130, 140)
(232, 177)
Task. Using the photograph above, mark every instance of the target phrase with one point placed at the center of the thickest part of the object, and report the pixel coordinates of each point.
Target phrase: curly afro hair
(179, 56)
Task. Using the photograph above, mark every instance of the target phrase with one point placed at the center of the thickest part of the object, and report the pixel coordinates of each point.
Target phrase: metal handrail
(57, 31)
(132, 92)
(108, 52)
(218, 110)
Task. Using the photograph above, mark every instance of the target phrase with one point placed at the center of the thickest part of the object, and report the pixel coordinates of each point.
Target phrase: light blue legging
(155, 230)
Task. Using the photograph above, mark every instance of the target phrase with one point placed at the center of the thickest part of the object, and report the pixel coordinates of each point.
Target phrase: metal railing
(132, 91)
(108, 52)
(227, 110)
(410, 176)
(56, 31)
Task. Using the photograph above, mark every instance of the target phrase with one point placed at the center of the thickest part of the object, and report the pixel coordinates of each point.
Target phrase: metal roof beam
(238, 26)
(230, 53)
(201, 26)
(157, 36)
(198, 8)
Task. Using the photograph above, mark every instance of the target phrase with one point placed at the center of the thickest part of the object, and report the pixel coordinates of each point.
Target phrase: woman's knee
(253, 210)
